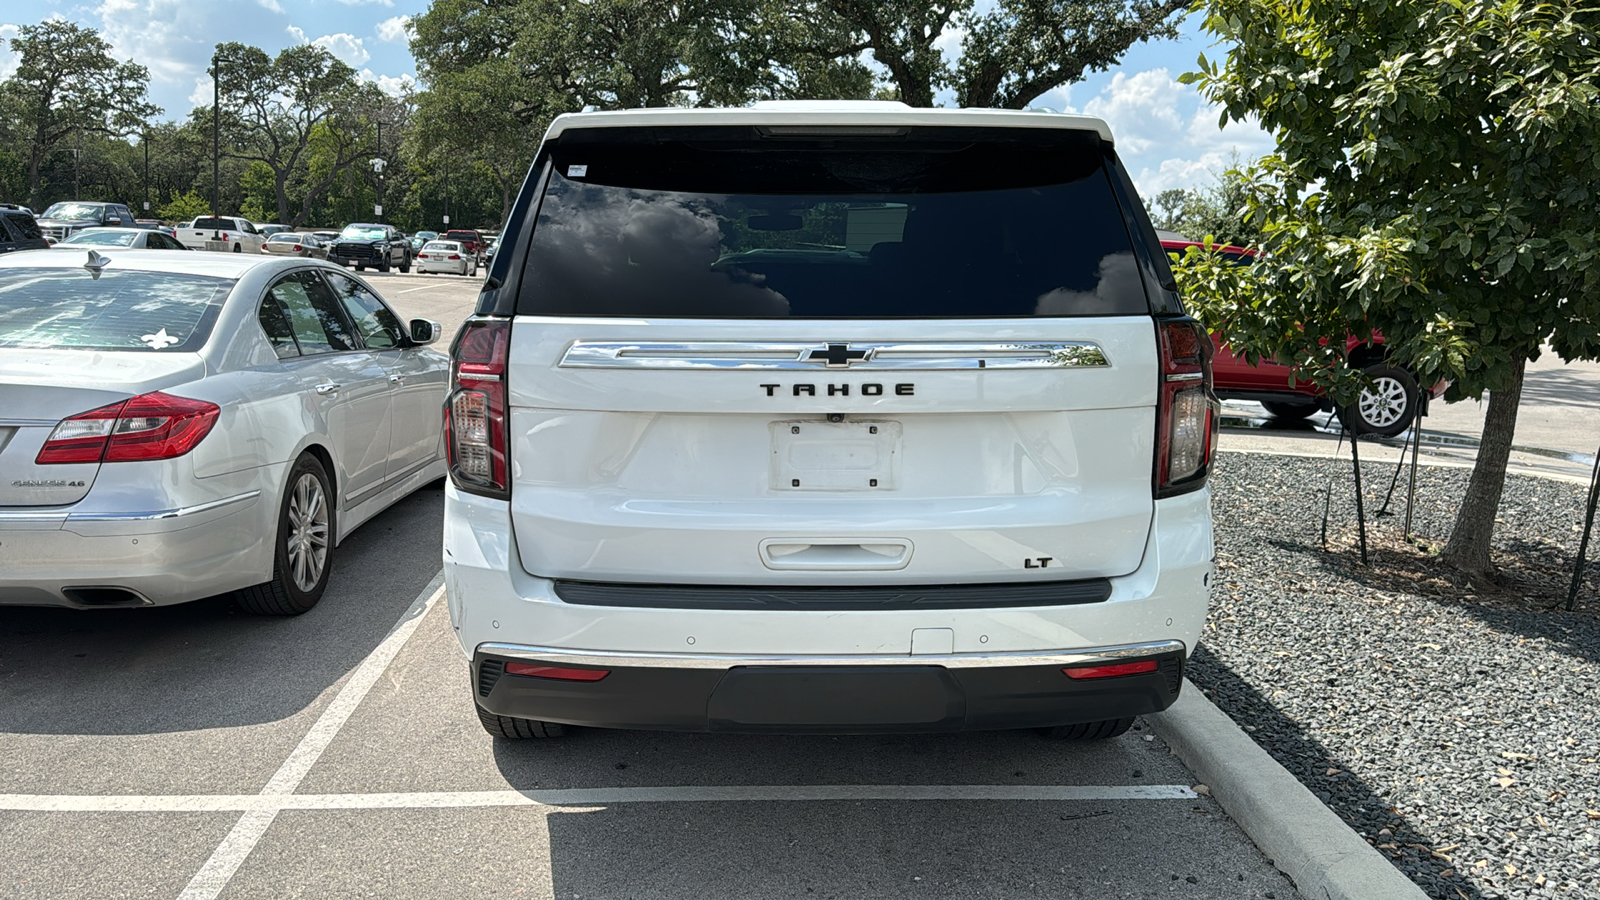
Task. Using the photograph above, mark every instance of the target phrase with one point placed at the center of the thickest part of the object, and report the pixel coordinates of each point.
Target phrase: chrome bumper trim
(855, 356)
(601, 659)
(58, 517)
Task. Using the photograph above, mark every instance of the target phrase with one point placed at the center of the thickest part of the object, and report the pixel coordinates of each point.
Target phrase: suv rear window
(27, 228)
(739, 223)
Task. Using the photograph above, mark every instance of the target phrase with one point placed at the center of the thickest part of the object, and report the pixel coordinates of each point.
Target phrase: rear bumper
(827, 694)
(155, 557)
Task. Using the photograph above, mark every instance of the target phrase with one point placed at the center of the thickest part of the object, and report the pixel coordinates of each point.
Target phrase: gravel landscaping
(1453, 727)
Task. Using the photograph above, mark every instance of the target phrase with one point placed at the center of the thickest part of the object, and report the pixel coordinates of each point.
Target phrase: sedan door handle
(397, 379)
(329, 388)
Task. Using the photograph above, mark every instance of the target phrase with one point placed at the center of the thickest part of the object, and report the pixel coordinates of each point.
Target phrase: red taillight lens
(455, 256)
(1186, 411)
(298, 247)
(475, 414)
(558, 673)
(150, 426)
(1112, 671)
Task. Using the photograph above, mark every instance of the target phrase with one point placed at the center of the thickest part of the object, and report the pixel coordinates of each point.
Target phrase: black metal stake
(1411, 493)
(1327, 495)
(1399, 467)
(1361, 515)
(1588, 526)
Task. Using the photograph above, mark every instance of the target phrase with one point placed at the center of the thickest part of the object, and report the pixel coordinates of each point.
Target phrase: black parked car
(379, 246)
(18, 230)
(63, 220)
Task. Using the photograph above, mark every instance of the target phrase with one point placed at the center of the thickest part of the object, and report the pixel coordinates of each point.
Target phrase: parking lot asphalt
(197, 752)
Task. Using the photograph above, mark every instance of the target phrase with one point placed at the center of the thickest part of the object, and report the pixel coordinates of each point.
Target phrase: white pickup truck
(239, 234)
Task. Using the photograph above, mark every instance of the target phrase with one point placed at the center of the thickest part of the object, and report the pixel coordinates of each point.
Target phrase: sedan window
(314, 316)
(102, 238)
(73, 309)
(276, 325)
(378, 326)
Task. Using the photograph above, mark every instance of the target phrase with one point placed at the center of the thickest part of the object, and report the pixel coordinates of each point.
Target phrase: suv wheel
(518, 729)
(1388, 407)
(302, 554)
(1292, 412)
(237, 248)
(1088, 731)
(405, 265)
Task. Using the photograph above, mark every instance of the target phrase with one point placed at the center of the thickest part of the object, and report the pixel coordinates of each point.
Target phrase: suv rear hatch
(883, 356)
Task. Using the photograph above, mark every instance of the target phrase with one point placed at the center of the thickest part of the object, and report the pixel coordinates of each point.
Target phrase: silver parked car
(180, 425)
(126, 238)
(291, 243)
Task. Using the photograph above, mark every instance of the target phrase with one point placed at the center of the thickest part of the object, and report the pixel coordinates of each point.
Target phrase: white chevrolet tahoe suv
(836, 418)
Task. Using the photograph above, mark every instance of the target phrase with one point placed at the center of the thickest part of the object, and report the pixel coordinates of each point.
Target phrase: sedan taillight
(149, 426)
(475, 413)
(1186, 409)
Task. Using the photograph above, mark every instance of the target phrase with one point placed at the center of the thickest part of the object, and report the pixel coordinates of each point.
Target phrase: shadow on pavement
(203, 665)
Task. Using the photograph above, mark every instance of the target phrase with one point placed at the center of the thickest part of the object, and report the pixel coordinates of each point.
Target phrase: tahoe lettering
(841, 390)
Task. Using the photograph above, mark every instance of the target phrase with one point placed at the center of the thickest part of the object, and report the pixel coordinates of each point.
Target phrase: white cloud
(395, 30)
(345, 46)
(367, 2)
(949, 43)
(8, 57)
(298, 35)
(156, 35)
(394, 86)
(1167, 134)
(270, 6)
(201, 95)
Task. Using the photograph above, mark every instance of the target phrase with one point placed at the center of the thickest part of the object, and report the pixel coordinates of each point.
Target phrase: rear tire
(360, 267)
(1388, 407)
(302, 552)
(1088, 731)
(1290, 412)
(518, 729)
(405, 267)
(237, 248)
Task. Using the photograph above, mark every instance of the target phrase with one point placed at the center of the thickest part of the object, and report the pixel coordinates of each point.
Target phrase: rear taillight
(150, 426)
(475, 413)
(454, 256)
(1186, 411)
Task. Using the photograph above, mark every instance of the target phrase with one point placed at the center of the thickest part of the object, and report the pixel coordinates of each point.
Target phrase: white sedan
(446, 256)
(181, 425)
(124, 238)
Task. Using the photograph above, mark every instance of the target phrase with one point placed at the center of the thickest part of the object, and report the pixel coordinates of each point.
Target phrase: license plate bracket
(809, 455)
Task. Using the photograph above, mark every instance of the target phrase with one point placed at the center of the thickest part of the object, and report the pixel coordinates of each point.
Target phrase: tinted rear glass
(727, 223)
(71, 309)
(26, 227)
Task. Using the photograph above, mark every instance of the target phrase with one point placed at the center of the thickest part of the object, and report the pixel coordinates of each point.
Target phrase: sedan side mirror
(425, 331)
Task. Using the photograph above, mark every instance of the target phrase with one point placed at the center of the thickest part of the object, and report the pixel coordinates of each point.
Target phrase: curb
(1302, 837)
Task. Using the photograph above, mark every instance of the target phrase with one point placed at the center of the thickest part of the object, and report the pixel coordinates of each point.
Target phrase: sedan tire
(302, 553)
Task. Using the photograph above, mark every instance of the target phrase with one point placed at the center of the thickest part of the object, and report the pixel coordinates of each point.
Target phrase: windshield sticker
(160, 340)
(577, 171)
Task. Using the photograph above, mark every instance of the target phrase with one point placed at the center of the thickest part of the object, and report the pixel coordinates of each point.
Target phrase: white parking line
(231, 853)
(426, 287)
(270, 804)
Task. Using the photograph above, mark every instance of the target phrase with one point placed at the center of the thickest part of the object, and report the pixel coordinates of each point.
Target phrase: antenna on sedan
(96, 262)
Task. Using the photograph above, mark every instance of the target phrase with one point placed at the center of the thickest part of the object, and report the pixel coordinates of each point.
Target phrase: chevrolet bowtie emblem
(838, 356)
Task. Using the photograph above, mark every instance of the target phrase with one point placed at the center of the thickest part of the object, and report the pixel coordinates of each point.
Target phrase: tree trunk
(280, 187)
(33, 181)
(1468, 550)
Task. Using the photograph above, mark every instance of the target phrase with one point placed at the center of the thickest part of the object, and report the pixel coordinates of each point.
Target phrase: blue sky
(1167, 135)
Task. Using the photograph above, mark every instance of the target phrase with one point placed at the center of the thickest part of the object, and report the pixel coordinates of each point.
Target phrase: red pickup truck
(1387, 408)
(470, 241)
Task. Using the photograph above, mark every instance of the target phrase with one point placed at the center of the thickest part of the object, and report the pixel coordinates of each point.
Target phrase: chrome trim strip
(388, 482)
(1186, 376)
(157, 515)
(27, 423)
(724, 661)
(795, 356)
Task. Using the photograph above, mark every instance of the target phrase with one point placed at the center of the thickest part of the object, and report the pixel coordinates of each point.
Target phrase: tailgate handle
(842, 554)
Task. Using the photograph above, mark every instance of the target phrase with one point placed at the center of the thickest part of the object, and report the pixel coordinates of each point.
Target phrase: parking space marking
(426, 287)
(254, 804)
(230, 854)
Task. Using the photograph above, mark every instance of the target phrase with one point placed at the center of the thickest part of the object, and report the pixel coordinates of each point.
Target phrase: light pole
(216, 147)
(377, 168)
(447, 198)
(146, 141)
